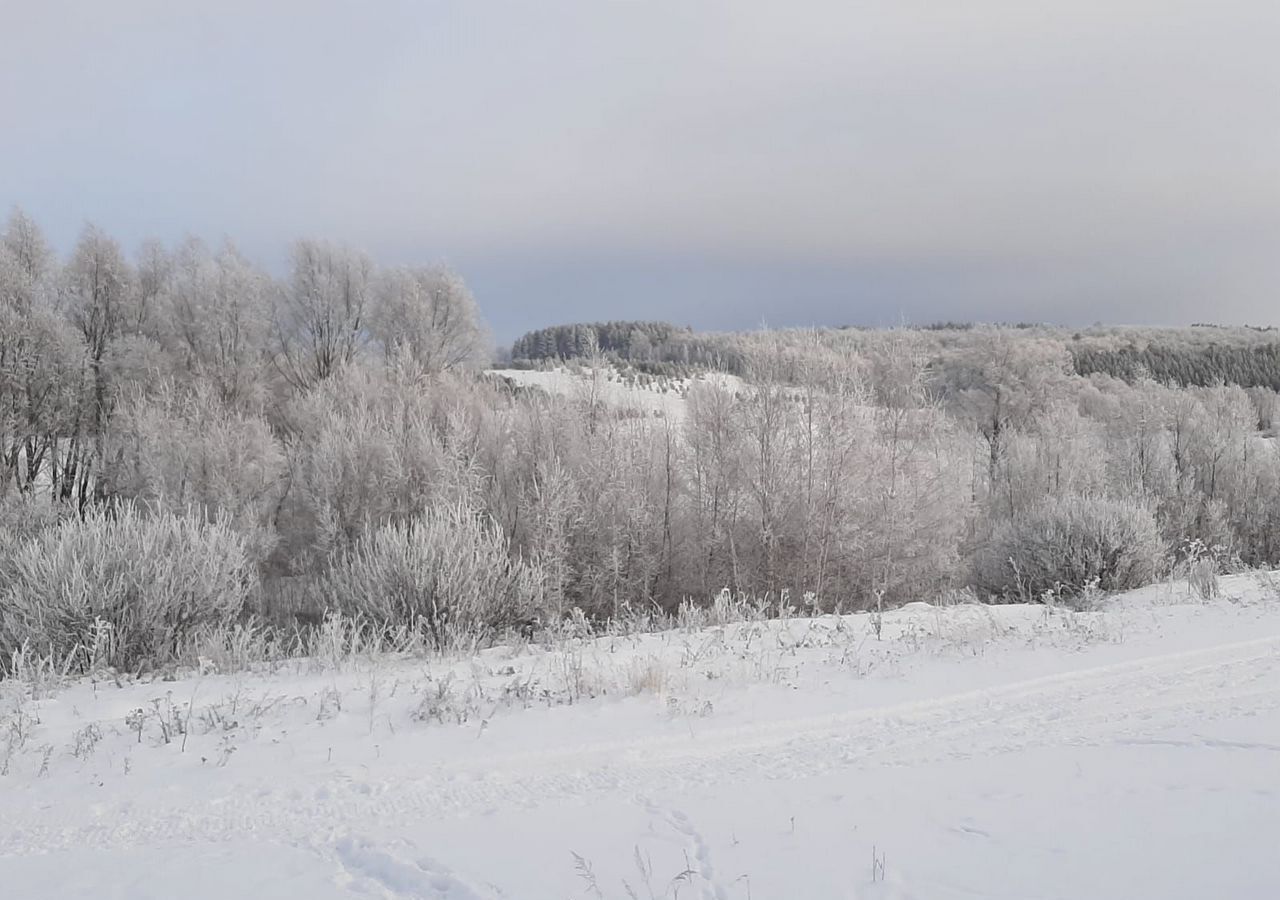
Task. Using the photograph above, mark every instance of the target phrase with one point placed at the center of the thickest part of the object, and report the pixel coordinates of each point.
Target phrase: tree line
(1201, 366)
(1199, 356)
(187, 441)
(659, 348)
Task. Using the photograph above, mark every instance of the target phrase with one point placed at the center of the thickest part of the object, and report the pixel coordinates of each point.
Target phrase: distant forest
(656, 347)
(1184, 366)
(1199, 357)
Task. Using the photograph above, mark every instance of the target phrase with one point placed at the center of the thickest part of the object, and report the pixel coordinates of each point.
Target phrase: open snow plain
(962, 752)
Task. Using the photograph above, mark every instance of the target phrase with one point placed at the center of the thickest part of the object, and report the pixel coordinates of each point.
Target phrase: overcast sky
(719, 163)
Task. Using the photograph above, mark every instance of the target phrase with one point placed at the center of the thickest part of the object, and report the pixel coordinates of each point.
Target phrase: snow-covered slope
(1007, 752)
(660, 397)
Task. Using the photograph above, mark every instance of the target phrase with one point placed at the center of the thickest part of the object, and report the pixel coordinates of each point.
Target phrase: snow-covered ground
(662, 396)
(1006, 752)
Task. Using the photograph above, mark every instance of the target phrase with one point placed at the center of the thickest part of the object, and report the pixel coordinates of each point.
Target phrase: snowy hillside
(966, 751)
(660, 396)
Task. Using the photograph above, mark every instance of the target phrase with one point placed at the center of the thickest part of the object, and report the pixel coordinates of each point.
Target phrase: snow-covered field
(1008, 752)
(662, 397)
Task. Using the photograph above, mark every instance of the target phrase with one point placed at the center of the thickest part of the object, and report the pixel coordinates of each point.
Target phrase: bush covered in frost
(1067, 545)
(123, 584)
(448, 571)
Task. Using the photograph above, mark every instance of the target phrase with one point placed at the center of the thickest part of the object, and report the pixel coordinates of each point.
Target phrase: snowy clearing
(664, 397)
(968, 751)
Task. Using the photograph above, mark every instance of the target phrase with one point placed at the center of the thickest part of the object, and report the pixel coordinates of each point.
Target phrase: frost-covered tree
(219, 321)
(27, 264)
(44, 381)
(154, 272)
(999, 383)
(98, 298)
(430, 315)
(183, 449)
(320, 321)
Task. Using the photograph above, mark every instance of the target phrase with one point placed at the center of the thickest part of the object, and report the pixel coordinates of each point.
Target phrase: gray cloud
(719, 162)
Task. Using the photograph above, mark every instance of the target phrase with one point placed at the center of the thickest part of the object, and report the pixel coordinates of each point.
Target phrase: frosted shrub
(22, 518)
(1201, 565)
(181, 449)
(447, 571)
(1064, 546)
(146, 582)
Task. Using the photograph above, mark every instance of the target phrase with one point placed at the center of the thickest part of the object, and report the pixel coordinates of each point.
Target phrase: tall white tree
(27, 263)
(219, 321)
(98, 285)
(430, 315)
(321, 320)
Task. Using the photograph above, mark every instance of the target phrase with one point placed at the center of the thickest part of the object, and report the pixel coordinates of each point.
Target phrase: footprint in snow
(699, 851)
(422, 878)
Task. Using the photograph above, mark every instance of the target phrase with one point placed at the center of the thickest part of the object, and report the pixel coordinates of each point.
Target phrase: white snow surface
(665, 397)
(967, 752)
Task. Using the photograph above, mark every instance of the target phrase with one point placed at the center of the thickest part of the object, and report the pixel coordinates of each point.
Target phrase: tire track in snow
(1106, 704)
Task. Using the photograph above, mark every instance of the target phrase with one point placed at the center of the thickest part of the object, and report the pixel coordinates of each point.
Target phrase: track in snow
(1121, 703)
